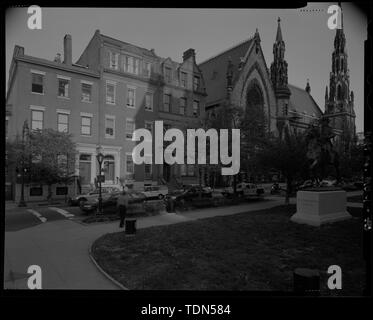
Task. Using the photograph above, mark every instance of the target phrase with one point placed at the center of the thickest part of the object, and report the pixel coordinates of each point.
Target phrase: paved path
(60, 247)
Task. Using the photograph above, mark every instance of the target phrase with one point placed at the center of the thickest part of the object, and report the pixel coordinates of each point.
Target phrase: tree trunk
(49, 197)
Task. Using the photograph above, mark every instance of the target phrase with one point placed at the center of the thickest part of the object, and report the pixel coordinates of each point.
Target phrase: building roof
(302, 102)
(214, 70)
(130, 47)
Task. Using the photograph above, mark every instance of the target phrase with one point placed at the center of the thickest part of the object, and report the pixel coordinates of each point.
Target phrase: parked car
(181, 196)
(244, 189)
(152, 192)
(77, 200)
(109, 202)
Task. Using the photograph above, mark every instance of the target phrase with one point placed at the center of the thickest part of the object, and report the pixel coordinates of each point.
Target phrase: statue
(320, 150)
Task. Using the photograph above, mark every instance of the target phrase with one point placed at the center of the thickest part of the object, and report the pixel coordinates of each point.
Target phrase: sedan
(79, 199)
(109, 202)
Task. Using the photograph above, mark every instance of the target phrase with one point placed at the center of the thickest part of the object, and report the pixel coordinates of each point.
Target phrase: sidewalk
(61, 248)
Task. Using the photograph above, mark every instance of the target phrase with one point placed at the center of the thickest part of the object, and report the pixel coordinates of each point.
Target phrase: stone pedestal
(319, 207)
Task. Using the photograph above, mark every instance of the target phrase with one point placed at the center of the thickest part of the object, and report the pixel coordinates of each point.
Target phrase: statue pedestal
(318, 207)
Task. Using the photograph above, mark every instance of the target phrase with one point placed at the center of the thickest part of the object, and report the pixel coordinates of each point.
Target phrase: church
(240, 77)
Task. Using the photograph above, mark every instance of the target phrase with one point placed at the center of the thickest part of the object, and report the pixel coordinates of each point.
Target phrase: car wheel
(80, 201)
(160, 196)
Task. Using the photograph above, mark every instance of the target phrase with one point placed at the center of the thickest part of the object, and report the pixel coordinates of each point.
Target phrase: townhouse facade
(112, 89)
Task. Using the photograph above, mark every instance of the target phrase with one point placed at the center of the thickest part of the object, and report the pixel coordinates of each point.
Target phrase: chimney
(189, 53)
(67, 50)
(19, 51)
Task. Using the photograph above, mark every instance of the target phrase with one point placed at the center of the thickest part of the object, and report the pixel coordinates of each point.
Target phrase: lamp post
(22, 202)
(100, 159)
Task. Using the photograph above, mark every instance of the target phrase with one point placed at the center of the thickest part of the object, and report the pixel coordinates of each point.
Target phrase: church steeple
(279, 66)
(339, 106)
(279, 33)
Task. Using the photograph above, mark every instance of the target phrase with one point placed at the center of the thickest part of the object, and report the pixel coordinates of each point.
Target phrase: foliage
(48, 156)
(287, 155)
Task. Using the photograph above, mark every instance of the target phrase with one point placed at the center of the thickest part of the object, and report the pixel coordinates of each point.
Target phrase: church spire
(340, 39)
(279, 33)
(279, 66)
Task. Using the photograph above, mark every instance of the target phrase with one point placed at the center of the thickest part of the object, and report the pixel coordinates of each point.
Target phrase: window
(187, 170)
(183, 79)
(183, 171)
(109, 127)
(129, 164)
(110, 93)
(148, 169)
(131, 92)
(195, 108)
(36, 191)
(190, 170)
(183, 103)
(86, 126)
(37, 85)
(136, 66)
(37, 118)
(149, 101)
(149, 126)
(167, 103)
(167, 71)
(196, 83)
(63, 88)
(63, 122)
(114, 60)
(131, 65)
(86, 92)
(130, 128)
(147, 69)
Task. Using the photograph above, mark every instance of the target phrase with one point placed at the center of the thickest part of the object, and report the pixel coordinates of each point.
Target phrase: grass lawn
(249, 251)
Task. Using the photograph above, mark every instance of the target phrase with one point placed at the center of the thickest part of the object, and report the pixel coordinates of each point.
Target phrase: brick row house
(112, 89)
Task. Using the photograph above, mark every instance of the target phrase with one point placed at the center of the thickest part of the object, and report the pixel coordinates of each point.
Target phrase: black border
(127, 303)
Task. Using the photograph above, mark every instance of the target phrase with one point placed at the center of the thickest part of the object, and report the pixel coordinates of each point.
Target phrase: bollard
(130, 227)
(306, 282)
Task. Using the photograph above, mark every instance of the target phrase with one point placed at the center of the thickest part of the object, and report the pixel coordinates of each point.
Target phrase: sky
(170, 32)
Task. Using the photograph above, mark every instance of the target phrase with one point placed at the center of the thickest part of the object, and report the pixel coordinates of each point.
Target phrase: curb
(104, 273)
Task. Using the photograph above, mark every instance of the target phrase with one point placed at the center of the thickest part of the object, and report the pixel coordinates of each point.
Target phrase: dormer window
(183, 79)
(196, 83)
(167, 74)
(114, 60)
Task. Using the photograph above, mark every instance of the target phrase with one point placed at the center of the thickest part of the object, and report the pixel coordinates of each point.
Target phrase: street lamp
(100, 159)
(22, 202)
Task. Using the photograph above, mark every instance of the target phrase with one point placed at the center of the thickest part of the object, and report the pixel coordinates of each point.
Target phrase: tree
(287, 155)
(49, 154)
(53, 155)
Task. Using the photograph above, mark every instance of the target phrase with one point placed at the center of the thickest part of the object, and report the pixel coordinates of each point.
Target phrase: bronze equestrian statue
(320, 151)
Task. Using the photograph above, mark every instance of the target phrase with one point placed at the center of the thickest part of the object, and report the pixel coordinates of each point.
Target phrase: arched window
(254, 98)
(339, 92)
(255, 107)
(109, 168)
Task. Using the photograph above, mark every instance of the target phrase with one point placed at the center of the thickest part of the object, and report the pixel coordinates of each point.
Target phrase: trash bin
(130, 227)
(306, 282)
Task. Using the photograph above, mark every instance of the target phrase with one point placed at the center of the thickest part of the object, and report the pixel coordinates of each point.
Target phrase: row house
(112, 89)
